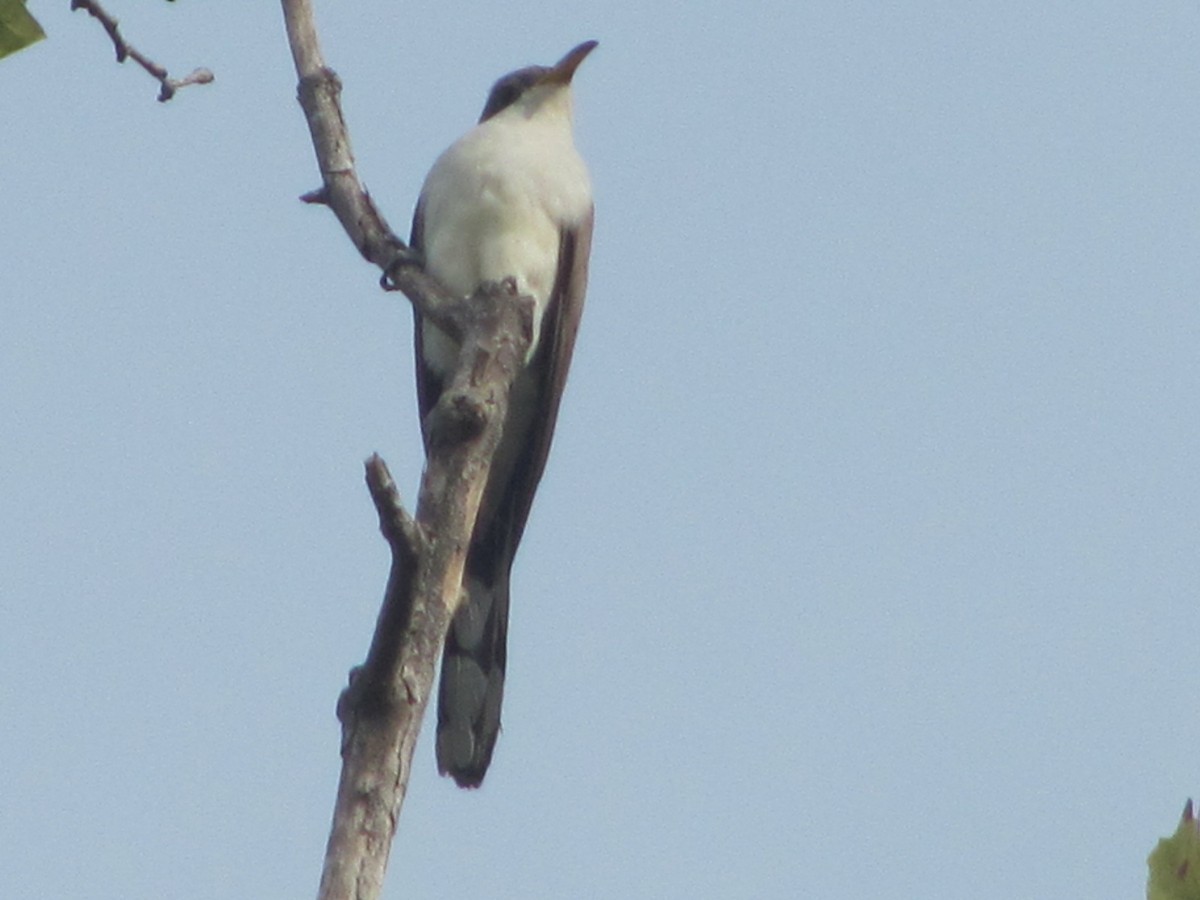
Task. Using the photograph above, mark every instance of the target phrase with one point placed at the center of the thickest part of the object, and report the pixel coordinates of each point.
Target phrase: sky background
(866, 561)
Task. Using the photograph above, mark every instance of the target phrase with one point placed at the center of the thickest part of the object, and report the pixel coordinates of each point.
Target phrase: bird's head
(533, 85)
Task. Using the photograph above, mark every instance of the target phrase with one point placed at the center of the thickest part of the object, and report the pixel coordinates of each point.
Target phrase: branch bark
(382, 708)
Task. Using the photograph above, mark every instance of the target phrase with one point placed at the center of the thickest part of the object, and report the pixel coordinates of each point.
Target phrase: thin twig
(125, 50)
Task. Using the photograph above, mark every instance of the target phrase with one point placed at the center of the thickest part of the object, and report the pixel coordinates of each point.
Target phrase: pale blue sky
(866, 562)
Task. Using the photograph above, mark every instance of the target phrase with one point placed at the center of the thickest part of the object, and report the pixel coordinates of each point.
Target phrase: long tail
(472, 685)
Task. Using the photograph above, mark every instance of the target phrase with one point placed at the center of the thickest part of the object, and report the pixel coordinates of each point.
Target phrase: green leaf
(1175, 863)
(18, 29)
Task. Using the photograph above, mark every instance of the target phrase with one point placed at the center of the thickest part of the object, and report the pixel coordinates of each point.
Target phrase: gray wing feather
(475, 656)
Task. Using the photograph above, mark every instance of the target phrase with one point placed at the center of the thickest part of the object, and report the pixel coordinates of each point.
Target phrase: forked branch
(382, 708)
(125, 50)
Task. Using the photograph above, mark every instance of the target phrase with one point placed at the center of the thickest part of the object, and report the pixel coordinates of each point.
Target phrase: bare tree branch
(320, 93)
(125, 50)
(382, 708)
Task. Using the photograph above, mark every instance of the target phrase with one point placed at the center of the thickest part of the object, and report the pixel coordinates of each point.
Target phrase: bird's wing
(429, 385)
(560, 325)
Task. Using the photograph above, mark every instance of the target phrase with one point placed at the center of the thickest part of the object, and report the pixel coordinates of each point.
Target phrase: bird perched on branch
(510, 199)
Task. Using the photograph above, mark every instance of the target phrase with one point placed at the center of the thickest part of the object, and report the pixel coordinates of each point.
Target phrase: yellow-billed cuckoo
(510, 198)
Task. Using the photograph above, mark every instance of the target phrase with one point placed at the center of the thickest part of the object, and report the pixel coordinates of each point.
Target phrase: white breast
(495, 204)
